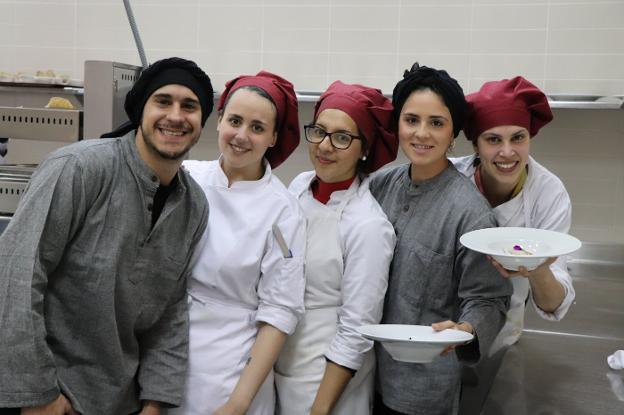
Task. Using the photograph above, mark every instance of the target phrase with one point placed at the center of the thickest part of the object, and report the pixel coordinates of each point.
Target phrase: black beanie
(438, 81)
(165, 72)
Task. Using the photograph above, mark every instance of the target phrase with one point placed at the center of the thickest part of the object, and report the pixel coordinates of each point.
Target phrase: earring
(451, 147)
(363, 158)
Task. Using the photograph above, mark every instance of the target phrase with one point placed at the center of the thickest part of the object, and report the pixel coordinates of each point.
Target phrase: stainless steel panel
(585, 101)
(553, 374)
(561, 367)
(13, 182)
(555, 101)
(598, 309)
(41, 124)
(106, 85)
(598, 254)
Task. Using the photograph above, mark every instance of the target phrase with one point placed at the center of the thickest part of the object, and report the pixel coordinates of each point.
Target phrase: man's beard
(167, 155)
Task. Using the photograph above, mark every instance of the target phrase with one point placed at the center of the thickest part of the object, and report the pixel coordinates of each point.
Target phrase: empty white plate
(413, 343)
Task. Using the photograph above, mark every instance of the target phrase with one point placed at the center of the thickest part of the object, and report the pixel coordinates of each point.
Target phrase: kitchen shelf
(586, 101)
(555, 100)
(41, 124)
(34, 88)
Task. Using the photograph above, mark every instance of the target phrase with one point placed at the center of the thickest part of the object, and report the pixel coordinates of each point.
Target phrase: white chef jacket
(543, 203)
(240, 277)
(367, 239)
(238, 260)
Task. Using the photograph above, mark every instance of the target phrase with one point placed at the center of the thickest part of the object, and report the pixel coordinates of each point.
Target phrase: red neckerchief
(322, 191)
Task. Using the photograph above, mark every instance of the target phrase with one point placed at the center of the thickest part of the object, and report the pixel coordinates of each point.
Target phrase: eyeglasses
(315, 135)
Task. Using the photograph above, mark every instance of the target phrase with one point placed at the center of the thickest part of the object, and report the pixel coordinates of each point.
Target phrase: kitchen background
(565, 47)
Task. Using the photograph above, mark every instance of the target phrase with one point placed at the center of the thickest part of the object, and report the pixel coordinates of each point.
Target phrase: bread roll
(60, 103)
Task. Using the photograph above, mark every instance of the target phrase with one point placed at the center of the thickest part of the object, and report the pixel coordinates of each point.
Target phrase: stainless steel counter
(561, 367)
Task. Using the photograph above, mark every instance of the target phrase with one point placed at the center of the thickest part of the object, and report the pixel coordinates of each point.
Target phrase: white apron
(510, 214)
(220, 342)
(301, 365)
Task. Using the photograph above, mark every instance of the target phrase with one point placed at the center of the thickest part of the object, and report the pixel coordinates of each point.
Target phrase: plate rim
(469, 336)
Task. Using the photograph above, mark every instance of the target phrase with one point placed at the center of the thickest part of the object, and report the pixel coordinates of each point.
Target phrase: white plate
(412, 343)
(537, 245)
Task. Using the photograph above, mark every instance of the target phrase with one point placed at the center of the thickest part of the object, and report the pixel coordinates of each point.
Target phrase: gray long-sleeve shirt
(434, 278)
(92, 298)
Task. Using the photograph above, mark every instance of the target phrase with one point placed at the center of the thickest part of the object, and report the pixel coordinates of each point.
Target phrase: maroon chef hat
(513, 101)
(372, 113)
(285, 99)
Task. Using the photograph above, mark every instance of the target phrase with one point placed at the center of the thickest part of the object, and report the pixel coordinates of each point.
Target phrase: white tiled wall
(564, 46)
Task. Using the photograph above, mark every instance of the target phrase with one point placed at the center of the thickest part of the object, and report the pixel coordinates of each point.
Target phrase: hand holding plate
(448, 324)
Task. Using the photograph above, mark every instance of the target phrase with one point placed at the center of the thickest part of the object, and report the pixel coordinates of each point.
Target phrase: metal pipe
(135, 33)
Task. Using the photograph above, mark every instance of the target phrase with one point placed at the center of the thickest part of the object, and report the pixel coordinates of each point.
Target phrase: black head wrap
(438, 81)
(165, 72)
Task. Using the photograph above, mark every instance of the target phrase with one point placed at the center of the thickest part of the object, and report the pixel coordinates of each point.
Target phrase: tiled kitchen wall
(565, 46)
(571, 46)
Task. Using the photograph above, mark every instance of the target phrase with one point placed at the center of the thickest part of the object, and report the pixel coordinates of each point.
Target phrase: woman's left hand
(229, 409)
(522, 271)
(226, 409)
(448, 324)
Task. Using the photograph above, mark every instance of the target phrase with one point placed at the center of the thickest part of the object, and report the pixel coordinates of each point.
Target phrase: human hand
(229, 408)
(150, 408)
(522, 271)
(448, 324)
(318, 411)
(59, 406)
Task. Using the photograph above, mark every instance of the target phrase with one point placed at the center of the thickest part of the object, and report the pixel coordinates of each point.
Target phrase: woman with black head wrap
(434, 280)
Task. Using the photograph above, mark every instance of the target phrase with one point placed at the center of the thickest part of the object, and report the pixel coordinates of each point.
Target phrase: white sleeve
(557, 216)
(282, 283)
(368, 252)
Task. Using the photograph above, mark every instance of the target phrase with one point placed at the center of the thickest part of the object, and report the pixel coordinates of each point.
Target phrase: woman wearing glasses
(434, 280)
(246, 288)
(326, 366)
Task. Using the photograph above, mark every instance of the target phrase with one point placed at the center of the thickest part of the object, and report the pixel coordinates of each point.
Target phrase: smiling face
(333, 165)
(246, 130)
(425, 133)
(170, 125)
(504, 154)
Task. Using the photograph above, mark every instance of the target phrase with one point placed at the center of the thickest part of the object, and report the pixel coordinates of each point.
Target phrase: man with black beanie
(93, 265)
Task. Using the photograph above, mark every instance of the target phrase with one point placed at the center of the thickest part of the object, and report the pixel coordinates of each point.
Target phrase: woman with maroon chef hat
(247, 283)
(326, 365)
(503, 117)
